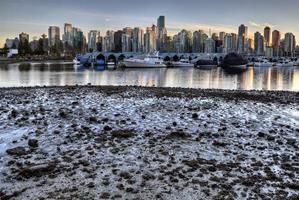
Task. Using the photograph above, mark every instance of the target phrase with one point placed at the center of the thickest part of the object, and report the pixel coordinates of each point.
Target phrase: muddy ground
(148, 143)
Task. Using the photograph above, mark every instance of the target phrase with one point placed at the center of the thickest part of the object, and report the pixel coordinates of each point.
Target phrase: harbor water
(63, 73)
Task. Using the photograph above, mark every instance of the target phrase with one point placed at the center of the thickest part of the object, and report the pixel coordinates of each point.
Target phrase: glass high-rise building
(242, 37)
(267, 36)
(92, 40)
(161, 34)
(276, 42)
(54, 35)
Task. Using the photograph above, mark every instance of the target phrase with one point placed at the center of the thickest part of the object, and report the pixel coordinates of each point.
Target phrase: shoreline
(279, 96)
(33, 61)
(125, 142)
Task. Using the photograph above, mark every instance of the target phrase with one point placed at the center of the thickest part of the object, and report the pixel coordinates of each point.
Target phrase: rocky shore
(148, 143)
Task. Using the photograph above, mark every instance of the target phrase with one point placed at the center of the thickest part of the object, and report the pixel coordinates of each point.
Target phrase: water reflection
(31, 74)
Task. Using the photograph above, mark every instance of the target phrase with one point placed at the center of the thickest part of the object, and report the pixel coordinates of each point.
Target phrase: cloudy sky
(34, 16)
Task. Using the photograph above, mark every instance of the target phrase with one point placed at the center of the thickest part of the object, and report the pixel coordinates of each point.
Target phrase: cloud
(174, 28)
(260, 25)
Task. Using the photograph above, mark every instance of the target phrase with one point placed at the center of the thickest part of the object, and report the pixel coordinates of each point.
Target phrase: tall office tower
(258, 44)
(78, 40)
(185, 41)
(267, 32)
(249, 46)
(150, 39)
(276, 42)
(92, 40)
(242, 36)
(289, 44)
(108, 43)
(221, 36)
(161, 34)
(67, 37)
(228, 43)
(176, 43)
(235, 41)
(197, 45)
(126, 43)
(138, 40)
(210, 46)
(54, 36)
(118, 41)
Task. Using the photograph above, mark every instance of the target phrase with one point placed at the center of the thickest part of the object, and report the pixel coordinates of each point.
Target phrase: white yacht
(76, 60)
(149, 61)
(182, 63)
(285, 63)
(263, 63)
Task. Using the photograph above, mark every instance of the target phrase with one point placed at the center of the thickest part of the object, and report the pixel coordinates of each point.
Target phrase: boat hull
(178, 64)
(76, 62)
(263, 65)
(129, 64)
(206, 66)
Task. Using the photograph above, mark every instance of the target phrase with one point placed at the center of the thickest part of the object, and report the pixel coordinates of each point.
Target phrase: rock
(33, 143)
(105, 195)
(195, 116)
(17, 151)
(125, 175)
(126, 133)
(107, 128)
(37, 170)
(178, 135)
(92, 119)
(261, 134)
(91, 185)
(14, 113)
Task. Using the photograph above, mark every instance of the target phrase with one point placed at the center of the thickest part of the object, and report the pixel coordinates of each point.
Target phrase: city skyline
(227, 16)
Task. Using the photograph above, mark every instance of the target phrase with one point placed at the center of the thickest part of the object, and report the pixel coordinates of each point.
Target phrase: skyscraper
(161, 34)
(275, 42)
(150, 39)
(185, 40)
(118, 41)
(54, 35)
(267, 36)
(92, 40)
(67, 37)
(197, 44)
(108, 44)
(258, 43)
(290, 44)
(138, 39)
(228, 43)
(127, 39)
(161, 22)
(210, 46)
(242, 36)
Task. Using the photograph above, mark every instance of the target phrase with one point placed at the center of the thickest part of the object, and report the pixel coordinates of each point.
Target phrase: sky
(35, 16)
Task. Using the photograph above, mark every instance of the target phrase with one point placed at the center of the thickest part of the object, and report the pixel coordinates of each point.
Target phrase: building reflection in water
(273, 78)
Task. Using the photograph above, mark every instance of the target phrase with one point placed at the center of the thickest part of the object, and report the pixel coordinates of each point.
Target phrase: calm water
(51, 74)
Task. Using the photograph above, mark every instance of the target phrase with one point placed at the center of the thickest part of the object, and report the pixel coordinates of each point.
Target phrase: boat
(263, 63)
(285, 63)
(76, 60)
(182, 63)
(111, 65)
(100, 62)
(206, 64)
(148, 61)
